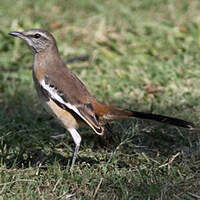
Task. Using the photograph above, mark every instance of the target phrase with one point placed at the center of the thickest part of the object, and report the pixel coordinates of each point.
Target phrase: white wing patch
(54, 95)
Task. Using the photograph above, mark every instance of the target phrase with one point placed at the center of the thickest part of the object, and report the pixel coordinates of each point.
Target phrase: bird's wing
(71, 99)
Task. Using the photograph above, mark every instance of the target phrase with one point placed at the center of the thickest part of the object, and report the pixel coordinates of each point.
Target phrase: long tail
(164, 119)
(111, 113)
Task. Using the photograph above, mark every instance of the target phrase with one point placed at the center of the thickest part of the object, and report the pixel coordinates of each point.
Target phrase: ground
(144, 56)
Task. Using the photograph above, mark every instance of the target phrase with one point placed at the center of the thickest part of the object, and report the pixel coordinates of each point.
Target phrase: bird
(66, 97)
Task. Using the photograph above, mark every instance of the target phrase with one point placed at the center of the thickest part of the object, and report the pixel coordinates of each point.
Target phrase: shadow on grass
(26, 130)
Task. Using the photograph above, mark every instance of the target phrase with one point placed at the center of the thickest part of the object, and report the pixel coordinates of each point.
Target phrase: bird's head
(38, 40)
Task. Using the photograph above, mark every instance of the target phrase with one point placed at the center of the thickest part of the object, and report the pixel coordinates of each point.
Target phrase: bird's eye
(37, 35)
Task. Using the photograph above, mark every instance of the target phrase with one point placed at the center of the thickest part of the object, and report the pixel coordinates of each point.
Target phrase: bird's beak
(17, 34)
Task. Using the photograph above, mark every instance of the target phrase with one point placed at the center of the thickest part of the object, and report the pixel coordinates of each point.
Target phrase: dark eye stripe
(37, 35)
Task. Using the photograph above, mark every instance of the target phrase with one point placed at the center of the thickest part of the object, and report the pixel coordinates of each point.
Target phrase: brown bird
(67, 98)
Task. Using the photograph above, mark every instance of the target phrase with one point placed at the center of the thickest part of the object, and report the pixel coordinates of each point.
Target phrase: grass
(144, 55)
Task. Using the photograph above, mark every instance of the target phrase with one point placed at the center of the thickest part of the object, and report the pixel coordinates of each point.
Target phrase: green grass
(144, 55)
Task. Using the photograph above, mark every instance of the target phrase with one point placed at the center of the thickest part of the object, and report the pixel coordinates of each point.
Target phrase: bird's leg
(58, 136)
(77, 140)
(74, 156)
